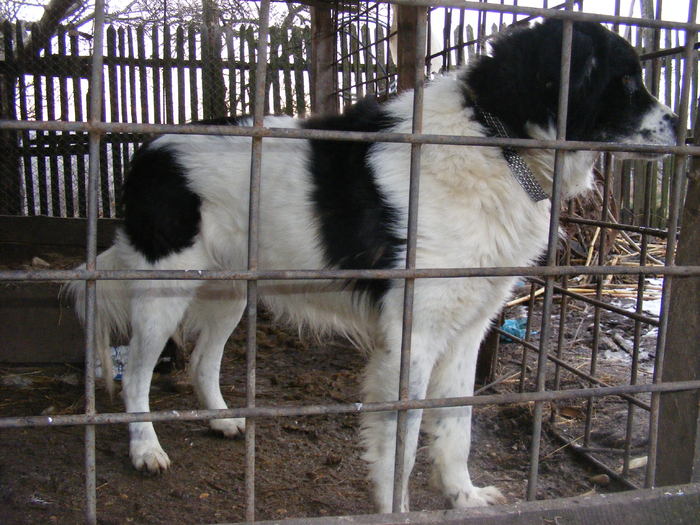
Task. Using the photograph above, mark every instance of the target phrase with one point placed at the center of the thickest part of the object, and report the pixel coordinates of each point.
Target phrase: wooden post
(9, 139)
(678, 459)
(407, 18)
(322, 70)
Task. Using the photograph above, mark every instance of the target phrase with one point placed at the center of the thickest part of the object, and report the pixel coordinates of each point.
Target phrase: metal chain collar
(521, 171)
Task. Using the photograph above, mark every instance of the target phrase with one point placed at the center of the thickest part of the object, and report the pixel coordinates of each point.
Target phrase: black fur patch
(161, 214)
(357, 222)
(519, 81)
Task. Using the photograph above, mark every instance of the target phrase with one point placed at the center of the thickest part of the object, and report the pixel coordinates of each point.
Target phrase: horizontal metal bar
(666, 52)
(605, 306)
(355, 136)
(656, 232)
(585, 454)
(398, 273)
(343, 408)
(548, 13)
(569, 368)
(674, 504)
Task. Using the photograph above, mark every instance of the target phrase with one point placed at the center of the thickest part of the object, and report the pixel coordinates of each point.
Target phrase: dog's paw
(230, 428)
(477, 497)
(149, 456)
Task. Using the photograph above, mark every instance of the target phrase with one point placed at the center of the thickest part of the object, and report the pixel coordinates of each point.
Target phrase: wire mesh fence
(559, 362)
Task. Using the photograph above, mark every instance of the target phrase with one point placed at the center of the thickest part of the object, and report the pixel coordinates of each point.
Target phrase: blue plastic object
(515, 327)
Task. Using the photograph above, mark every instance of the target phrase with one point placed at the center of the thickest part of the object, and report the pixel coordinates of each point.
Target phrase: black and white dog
(335, 204)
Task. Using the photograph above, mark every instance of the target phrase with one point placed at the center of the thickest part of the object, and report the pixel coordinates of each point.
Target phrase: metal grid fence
(546, 275)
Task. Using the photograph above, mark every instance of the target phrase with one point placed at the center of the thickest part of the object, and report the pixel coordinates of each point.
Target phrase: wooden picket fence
(155, 74)
(151, 75)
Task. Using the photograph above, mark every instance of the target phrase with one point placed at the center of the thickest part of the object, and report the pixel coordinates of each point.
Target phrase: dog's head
(520, 81)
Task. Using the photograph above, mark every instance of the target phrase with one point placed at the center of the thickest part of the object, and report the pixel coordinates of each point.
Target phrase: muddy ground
(306, 466)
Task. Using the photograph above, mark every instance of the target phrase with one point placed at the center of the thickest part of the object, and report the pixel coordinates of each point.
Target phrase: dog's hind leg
(216, 320)
(449, 429)
(157, 309)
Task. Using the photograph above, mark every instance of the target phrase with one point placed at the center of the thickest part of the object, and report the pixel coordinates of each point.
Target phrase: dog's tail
(112, 317)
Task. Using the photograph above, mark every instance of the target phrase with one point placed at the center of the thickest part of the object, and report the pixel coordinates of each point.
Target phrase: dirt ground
(305, 466)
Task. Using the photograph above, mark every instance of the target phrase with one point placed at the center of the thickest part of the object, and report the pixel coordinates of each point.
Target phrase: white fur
(472, 213)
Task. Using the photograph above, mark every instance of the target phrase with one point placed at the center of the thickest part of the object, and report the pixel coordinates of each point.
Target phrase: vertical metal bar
(563, 310)
(678, 184)
(412, 228)
(567, 33)
(253, 245)
(528, 332)
(91, 261)
(608, 166)
(641, 281)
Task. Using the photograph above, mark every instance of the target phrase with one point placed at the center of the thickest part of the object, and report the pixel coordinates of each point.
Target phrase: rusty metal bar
(673, 220)
(644, 230)
(577, 16)
(258, 411)
(355, 136)
(528, 332)
(563, 364)
(567, 35)
(489, 37)
(411, 242)
(563, 309)
(588, 456)
(398, 273)
(95, 115)
(595, 302)
(598, 297)
(253, 249)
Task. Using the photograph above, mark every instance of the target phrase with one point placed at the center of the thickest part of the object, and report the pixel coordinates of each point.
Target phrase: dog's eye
(630, 83)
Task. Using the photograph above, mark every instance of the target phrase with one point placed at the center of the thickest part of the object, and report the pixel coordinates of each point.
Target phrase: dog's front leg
(449, 429)
(379, 428)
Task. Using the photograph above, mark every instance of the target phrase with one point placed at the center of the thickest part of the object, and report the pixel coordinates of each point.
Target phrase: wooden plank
(155, 75)
(370, 70)
(194, 91)
(81, 172)
(54, 177)
(41, 175)
(132, 75)
(179, 64)
(115, 102)
(677, 505)
(287, 72)
(124, 71)
(382, 83)
(678, 459)
(345, 65)
(459, 38)
(245, 83)
(168, 75)
(250, 39)
(355, 61)
(143, 73)
(229, 37)
(322, 70)
(273, 70)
